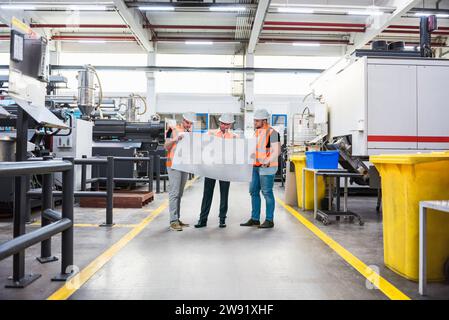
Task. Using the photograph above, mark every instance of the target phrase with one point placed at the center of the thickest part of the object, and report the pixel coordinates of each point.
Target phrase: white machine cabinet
(390, 105)
(76, 144)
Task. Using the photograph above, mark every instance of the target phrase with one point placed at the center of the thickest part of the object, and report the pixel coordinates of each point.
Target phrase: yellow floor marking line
(92, 225)
(72, 285)
(371, 275)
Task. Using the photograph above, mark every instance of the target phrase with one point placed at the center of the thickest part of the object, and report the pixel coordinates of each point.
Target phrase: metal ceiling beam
(262, 9)
(193, 5)
(189, 69)
(133, 18)
(380, 23)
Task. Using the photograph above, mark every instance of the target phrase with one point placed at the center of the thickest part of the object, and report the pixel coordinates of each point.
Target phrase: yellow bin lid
(414, 158)
(298, 157)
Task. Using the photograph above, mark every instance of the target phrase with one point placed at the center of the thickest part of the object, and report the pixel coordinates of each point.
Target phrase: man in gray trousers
(177, 179)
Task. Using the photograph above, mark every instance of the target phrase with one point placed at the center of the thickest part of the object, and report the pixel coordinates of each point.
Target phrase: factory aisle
(287, 262)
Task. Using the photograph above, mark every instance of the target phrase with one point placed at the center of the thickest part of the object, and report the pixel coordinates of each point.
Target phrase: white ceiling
(328, 26)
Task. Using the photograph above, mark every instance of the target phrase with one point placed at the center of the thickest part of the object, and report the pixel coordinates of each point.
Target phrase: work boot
(267, 224)
(222, 224)
(175, 226)
(183, 224)
(201, 224)
(250, 223)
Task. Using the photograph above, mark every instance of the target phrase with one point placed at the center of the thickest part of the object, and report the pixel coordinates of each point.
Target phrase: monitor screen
(28, 54)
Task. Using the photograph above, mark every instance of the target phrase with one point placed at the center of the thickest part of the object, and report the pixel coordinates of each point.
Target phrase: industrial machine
(386, 100)
(381, 48)
(122, 138)
(389, 105)
(25, 121)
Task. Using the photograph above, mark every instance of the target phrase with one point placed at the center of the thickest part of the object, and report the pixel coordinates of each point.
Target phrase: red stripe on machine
(407, 139)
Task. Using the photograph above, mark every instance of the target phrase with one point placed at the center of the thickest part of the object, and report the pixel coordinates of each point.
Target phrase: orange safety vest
(262, 152)
(171, 152)
(227, 135)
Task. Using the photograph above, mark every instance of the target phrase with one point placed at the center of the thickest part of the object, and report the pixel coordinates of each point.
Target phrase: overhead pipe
(81, 26)
(314, 24)
(441, 33)
(290, 40)
(93, 38)
(345, 30)
(199, 27)
(217, 39)
(269, 26)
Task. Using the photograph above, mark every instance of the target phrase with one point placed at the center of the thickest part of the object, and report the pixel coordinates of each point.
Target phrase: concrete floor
(287, 262)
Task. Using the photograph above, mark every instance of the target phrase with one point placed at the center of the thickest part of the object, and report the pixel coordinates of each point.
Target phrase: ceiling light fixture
(17, 7)
(159, 8)
(227, 9)
(426, 14)
(295, 10)
(86, 8)
(365, 13)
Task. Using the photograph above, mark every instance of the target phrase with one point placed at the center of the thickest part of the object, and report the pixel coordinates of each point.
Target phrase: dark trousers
(208, 193)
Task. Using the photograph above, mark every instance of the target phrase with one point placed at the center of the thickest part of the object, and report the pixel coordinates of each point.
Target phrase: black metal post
(68, 181)
(150, 173)
(95, 174)
(19, 279)
(83, 175)
(110, 193)
(47, 203)
(157, 168)
(28, 220)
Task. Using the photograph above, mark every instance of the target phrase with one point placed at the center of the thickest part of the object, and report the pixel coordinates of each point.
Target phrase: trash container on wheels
(406, 180)
(300, 162)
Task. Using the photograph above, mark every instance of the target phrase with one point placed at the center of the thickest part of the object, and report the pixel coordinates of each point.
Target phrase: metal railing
(53, 222)
(153, 165)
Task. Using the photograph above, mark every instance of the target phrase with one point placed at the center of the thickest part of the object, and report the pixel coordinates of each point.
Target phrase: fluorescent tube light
(17, 7)
(422, 14)
(365, 13)
(295, 10)
(227, 9)
(426, 14)
(159, 8)
(87, 8)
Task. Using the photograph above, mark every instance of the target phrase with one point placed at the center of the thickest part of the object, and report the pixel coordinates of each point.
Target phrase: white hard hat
(261, 114)
(189, 116)
(227, 118)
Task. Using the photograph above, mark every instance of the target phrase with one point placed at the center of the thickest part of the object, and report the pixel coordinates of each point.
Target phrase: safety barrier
(53, 222)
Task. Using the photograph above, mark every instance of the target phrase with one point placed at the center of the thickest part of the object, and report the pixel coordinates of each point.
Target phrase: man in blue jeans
(264, 170)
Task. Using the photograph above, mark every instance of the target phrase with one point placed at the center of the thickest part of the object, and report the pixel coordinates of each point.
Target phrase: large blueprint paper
(216, 158)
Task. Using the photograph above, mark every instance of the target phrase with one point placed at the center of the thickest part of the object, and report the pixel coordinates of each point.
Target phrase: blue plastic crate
(322, 159)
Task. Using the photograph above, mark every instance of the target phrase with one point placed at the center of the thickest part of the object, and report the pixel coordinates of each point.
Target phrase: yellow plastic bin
(408, 179)
(300, 162)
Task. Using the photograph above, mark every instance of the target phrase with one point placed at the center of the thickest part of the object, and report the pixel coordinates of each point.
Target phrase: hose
(308, 111)
(144, 103)
(100, 97)
(306, 96)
